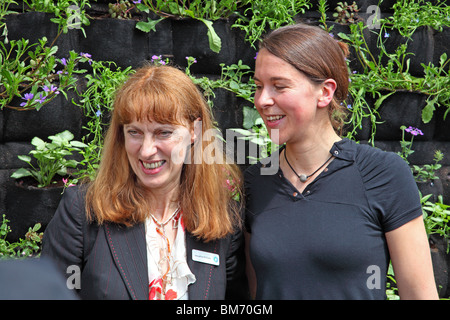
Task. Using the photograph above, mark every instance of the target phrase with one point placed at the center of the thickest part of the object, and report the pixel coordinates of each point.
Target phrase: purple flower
(41, 98)
(27, 97)
(64, 61)
(414, 131)
(52, 89)
(87, 56)
(386, 35)
(98, 113)
(137, 1)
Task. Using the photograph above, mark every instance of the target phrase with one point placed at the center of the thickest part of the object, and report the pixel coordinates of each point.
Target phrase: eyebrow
(273, 79)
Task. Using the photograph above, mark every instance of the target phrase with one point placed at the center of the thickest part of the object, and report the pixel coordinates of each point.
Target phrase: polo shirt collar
(344, 149)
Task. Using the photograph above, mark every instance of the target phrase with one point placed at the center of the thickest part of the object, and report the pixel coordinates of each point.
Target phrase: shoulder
(373, 162)
(71, 211)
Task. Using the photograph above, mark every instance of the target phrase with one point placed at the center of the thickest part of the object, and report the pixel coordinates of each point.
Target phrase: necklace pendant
(303, 178)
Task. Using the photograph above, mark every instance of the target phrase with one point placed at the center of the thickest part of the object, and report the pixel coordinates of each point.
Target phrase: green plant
(32, 74)
(236, 78)
(388, 73)
(23, 248)
(346, 13)
(51, 158)
(261, 16)
(427, 172)
(204, 11)
(4, 11)
(436, 217)
(406, 146)
(255, 131)
(391, 284)
(96, 101)
(69, 14)
(120, 10)
(421, 173)
(411, 14)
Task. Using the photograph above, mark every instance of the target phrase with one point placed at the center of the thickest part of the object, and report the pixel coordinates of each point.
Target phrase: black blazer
(113, 258)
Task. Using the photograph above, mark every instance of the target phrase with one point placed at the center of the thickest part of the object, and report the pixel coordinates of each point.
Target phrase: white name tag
(205, 257)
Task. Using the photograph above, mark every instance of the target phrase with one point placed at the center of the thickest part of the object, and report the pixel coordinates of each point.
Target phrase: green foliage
(23, 248)
(412, 14)
(262, 16)
(69, 14)
(204, 11)
(28, 71)
(436, 217)
(96, 100)
(51, 158)
(380, 79)
(346, 13)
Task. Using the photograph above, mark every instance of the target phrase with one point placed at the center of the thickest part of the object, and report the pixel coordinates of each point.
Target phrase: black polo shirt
(328, 242)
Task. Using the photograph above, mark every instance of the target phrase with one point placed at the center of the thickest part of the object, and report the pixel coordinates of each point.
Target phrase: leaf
(428, 110)
(381, 99)
(250, 117)
(148, 26)
(20, 173)
(215, 44)
(443, 59)
(38, 143)
(25, 158)
(78, 144)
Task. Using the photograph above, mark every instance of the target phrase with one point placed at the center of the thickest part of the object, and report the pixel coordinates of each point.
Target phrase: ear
(327, 93)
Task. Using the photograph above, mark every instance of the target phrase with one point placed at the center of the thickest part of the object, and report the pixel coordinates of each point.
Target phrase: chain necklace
(303, 177)
(161, 225)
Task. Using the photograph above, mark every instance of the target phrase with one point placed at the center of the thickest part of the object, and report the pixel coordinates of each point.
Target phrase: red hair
(166, 95)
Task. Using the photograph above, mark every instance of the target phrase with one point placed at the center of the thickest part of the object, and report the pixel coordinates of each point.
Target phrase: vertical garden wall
(62, 62)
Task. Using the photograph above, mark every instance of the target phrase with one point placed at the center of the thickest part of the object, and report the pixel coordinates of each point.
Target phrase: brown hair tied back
(315, 53)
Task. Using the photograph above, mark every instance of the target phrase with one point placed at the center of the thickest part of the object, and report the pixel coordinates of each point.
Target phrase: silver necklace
(304, 177)
(162, 224)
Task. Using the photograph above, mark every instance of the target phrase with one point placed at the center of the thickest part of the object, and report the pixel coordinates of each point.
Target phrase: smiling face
(286, 99)
(156, 153)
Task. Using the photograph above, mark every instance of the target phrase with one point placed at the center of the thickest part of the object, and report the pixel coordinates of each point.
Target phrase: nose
(263, 98)
(149, 147)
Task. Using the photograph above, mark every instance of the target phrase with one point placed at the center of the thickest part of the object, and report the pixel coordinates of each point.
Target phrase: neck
(306, 156)
(162, 204)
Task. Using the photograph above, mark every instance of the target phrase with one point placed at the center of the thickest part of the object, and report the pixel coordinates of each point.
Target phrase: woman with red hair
(155, 223)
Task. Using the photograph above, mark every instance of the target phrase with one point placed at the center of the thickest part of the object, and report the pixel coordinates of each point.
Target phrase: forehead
(270, 67)
(150, 125)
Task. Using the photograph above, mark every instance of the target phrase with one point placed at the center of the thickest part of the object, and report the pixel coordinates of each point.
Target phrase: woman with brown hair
(326, 225)
(156, 223)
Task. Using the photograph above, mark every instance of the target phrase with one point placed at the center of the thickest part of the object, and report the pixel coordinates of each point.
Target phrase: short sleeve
(390, 188)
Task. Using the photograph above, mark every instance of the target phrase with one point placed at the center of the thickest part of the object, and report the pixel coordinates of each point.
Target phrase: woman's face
(156, 153)
(285, 98)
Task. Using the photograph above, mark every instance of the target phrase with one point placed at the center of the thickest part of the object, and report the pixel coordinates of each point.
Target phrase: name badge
(205, 257)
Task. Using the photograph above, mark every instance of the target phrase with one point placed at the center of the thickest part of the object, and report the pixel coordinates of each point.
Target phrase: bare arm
(411, 259)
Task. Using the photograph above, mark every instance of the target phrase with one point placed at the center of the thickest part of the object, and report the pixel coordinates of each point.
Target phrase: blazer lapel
(129, 251)
(203, 272)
